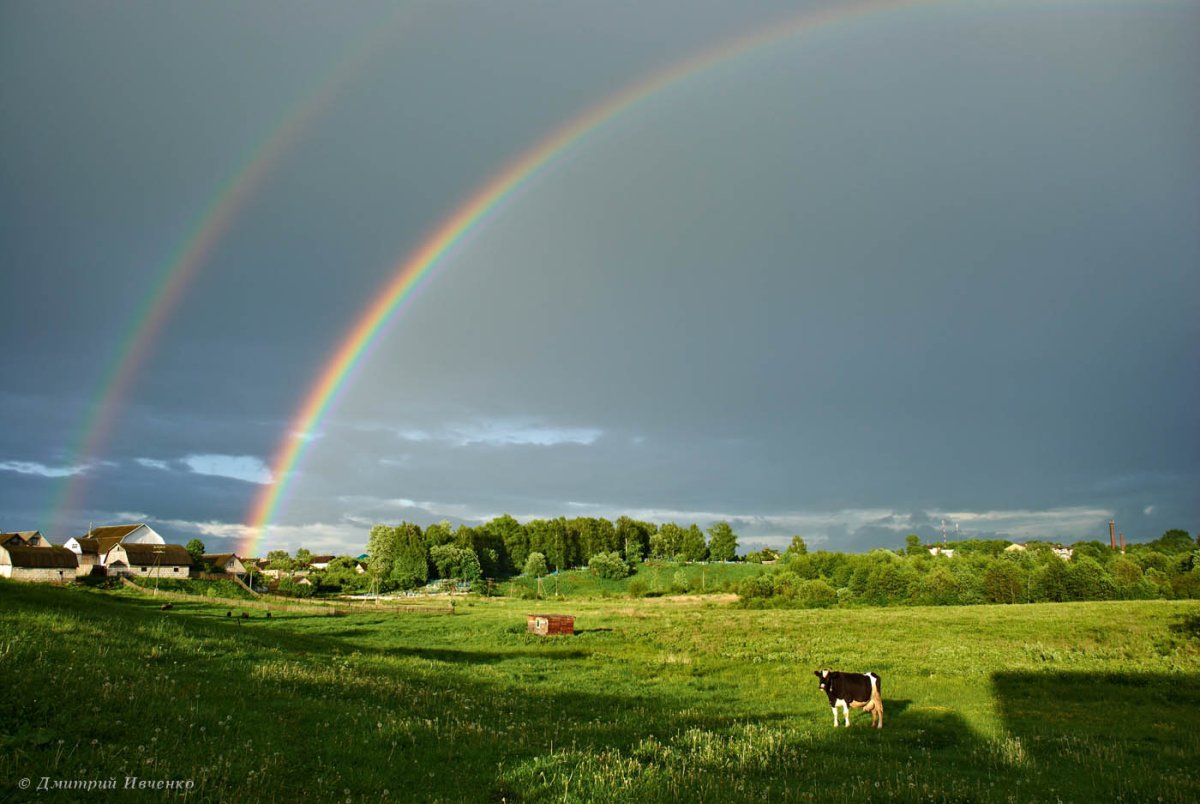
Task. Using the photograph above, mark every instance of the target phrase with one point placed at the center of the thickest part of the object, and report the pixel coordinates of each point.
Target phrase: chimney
(1122, 544)
(1112, 534)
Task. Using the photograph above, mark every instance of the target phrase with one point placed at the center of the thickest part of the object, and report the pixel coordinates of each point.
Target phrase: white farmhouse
(149, 560)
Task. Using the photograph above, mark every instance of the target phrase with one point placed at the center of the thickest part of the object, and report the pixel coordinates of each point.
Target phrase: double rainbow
(177, 272)
(416, 270)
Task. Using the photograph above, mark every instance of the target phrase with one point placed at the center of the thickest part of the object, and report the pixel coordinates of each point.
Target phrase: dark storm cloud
(911, 268)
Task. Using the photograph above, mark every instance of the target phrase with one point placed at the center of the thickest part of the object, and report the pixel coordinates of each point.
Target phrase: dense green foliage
(609, 566)
(656, 700)
(404, 556)
(981, 572)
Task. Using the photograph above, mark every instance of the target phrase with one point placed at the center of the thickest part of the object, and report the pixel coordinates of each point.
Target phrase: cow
(858, 690)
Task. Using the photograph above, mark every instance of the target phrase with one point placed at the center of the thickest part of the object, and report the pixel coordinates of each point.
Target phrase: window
(174, 569)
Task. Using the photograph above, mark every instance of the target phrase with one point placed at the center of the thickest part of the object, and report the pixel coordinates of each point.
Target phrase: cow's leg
(834, 708)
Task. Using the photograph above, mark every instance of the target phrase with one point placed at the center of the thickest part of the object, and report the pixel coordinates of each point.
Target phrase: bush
(817, 594)
(535, 565)
(609, 566)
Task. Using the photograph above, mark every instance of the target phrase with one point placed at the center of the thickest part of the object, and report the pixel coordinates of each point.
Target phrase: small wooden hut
(551, 624)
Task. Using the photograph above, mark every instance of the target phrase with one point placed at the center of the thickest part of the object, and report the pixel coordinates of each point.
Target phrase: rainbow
(415, 270)
(180, 269)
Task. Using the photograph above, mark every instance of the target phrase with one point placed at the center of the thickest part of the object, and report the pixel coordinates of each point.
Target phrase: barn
(44, 564)
(149, 560)
(94, 548)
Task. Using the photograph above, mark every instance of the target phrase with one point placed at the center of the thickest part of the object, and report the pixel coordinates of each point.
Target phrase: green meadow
(654, 699)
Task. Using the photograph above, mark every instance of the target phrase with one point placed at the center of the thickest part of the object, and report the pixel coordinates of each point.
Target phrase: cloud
(503, 433)
(40, 469)
(238, 467)
(151, 463)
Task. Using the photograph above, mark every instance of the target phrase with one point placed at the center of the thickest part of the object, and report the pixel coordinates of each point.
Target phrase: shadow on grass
(1102, 731)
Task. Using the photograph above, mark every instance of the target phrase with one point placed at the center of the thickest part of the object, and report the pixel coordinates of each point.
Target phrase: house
(41, 563)
(936, 550)
(1015, 548)
(224, 562)
(149, 560)
(98, 542)
(24, 538)
(320, 562)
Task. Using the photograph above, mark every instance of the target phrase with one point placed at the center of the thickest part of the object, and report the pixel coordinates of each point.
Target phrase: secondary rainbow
(415, 270)
(180, 269)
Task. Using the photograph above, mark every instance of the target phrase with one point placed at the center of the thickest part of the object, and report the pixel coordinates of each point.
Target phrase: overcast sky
(937, 262)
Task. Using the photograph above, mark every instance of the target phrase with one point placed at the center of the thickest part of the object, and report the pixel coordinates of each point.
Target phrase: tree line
(980, 571)
(405, 556)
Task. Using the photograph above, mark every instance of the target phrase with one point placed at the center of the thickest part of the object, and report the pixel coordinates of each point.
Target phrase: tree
(195, 549)
(452, 561)
(634, 538)
(515, 541)
(535, 565)
(692, 546)
(798, 547)
(670, 536)
(912, 545)
(1174, 541)
(1002, 582)
(280, 560)
(609, 566)
(722, 543)
(303, 556)
(411, 567)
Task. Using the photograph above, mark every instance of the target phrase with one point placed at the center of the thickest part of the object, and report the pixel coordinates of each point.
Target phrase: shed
(551, 624)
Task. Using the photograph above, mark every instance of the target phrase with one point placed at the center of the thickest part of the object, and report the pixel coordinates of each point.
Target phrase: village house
(937, 550)
(228, 563)
(320, 562)
(42, 562)
(149, 560)
(96, 545)
(24, 538)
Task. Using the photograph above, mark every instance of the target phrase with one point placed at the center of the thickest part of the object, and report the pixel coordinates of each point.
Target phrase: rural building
(948, 552)
(149, 560)
(45, 564)
(98, 542)
(551, 624)
(320, 562)
(225, 562)
(24, 538)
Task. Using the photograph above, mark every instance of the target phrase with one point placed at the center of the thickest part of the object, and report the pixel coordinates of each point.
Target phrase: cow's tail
(875, 705)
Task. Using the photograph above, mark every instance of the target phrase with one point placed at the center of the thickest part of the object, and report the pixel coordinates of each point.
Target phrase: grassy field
(652, 700)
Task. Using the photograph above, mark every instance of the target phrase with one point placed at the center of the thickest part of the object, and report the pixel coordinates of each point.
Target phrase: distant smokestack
(1122, 544)
(1112, 534)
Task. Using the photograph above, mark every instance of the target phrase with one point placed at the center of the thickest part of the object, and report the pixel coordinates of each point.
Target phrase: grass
(652, 700)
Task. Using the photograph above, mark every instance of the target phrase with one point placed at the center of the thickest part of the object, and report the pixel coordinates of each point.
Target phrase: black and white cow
(858, 690)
